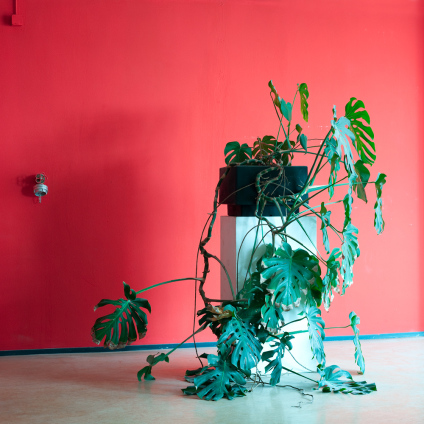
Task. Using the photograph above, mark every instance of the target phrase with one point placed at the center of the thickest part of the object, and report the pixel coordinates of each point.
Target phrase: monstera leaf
(236, 153)
(285, 108)
(359, 358)
(337, 380)
(220, 379)
(120, 328)
(347, 203)
(146, 371)
(240, 336)
(264, 147)
(344, 135)
(290, 272)
(350, 251)
(378, 218)
(363, 133)
(316, 327)
(363, 175)
(272, 316)
(331, 278)
(334, 160)
(304, 94)
(275, 355)
(325, 221)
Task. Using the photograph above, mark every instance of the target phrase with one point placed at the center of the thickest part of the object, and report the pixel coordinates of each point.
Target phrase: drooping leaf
(221, 379)
(350, 251)
(304, 95)
(152, 360)
(120, 328)
(334, 160)
(316, 327)
(275, 355)
(344, 135)
(360, 120)
(331, 278)
(337, 380)
(264, 147)
(347, 202)
(378, 206)
(246, 349)
(290, 272)
(272, 316)
(285, 108)
(303, 140)
(359, 357)
(363, 175)
(236, 153)
(325, 221)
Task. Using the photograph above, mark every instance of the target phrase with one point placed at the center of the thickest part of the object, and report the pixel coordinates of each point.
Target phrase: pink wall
(127, 105)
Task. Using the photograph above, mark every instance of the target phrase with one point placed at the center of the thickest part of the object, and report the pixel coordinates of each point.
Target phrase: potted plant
(283, 276)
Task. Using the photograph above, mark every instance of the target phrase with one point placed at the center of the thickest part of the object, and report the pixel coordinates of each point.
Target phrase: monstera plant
(283, 278)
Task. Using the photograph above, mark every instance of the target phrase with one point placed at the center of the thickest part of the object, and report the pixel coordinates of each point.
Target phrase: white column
(238, 240)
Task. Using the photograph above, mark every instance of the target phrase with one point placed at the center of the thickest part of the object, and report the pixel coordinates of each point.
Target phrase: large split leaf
(364, 135)
(275, 355)
(337, 380)
(350, 251)
(359, 357)
(378, 206)
(285, 108)
(344, 135)
(316, 327)
(290, 272)
(221, 379)
(121, 327)
(304, 95)
(325, 222)
(272, 315)
(264, 147)
(331, 278)
(240, 336)
(236, 153)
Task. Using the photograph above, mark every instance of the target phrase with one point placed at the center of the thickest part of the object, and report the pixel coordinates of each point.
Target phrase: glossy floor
(102, 388)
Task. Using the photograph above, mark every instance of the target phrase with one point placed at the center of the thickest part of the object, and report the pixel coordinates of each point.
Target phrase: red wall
(127, 105)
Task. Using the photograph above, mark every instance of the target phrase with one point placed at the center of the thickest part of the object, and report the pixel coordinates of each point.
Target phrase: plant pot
(238, 189)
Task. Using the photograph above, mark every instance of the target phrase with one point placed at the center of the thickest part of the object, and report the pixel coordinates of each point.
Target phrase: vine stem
(168, 282)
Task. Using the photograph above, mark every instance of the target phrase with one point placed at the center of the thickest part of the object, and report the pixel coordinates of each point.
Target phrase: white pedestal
(236, 248)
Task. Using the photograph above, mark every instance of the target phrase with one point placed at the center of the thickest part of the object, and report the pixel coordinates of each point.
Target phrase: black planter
(238, 189)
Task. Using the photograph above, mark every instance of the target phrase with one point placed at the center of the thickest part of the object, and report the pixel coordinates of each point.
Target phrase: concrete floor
(102, 388)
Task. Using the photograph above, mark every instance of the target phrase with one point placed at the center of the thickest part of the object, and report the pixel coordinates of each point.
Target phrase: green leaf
(350, 251)
(378, 206)
(275, 355)
(240, 337)
(272, 316)
(223, 379)
(120, 328)
(304, 95)
(290, 272)
(334, 160)
(337, 380)
(359, 357)
(331, 278)
(264, 147)
(325, 221)
(364, 134)
(152, 360)
(316, 327)
(363, 175)
(343, 135)
(303, 140)
(285, 108)
(236, 153)
(347, 202)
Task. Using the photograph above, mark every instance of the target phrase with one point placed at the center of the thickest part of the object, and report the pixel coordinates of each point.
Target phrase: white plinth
(238, 240)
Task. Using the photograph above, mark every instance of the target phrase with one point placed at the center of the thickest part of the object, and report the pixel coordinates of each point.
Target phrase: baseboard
(95, 349)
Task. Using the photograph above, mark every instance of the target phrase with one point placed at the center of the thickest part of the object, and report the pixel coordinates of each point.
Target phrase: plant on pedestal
(282, 278)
